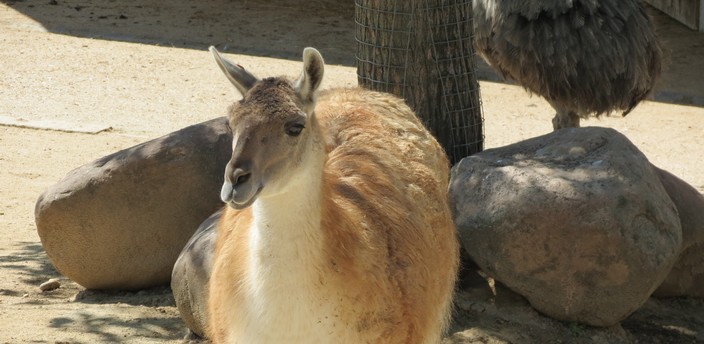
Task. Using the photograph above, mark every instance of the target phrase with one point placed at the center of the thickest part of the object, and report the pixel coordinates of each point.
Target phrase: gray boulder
(189, 279)
(687, 276)
(576, 221)
(121, 221)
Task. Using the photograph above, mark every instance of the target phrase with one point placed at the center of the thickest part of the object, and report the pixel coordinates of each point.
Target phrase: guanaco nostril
(242, 178)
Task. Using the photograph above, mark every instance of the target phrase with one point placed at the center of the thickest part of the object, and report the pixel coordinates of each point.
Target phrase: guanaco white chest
(287, 292)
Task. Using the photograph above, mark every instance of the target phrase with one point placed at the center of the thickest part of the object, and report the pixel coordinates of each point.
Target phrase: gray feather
(587, 56)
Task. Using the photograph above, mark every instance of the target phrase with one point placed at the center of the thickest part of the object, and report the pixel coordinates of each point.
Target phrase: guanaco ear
(312, 75)
(242, 79)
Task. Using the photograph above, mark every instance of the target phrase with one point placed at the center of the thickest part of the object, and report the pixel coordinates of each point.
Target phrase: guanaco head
(273, 129)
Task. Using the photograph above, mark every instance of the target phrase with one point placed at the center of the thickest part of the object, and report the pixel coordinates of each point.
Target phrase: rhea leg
(565, 119)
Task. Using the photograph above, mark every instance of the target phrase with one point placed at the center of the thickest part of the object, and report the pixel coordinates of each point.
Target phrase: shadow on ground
(274, 28)
(30, 262)
(153, 297)
(107, 328)
(281, 29)
(486, 311)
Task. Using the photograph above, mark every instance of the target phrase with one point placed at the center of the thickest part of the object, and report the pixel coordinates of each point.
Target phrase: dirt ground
(141, 69)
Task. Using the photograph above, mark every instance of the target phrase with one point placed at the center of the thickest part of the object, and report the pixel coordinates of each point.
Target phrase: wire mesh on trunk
(422, 51)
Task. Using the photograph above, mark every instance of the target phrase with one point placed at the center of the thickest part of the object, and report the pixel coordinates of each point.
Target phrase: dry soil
(141, 69)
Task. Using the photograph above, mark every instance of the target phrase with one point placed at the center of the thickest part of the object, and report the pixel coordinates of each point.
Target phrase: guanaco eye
(294, 129)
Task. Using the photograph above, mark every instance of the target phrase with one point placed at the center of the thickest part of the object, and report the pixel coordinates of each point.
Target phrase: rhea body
(585, 57)
(337, 228)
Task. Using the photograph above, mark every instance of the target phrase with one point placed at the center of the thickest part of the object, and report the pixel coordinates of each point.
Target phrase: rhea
(585, 57)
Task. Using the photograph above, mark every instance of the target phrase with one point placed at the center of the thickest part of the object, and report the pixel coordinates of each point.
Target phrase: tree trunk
(421, 50)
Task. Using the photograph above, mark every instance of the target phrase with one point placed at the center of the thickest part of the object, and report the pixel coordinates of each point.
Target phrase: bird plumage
(583, 56)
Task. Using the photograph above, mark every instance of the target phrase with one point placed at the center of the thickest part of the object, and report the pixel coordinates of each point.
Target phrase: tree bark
(421, 50)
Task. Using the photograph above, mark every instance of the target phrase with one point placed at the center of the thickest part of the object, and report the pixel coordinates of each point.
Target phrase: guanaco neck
(286, 234)
(286, 257)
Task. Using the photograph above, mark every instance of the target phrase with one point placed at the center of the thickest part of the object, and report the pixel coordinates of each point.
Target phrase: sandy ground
(81, 63)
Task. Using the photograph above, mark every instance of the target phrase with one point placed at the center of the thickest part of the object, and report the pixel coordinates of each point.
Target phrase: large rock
(121, 221)
(687, 276)
(191, 274)
(577, 221)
